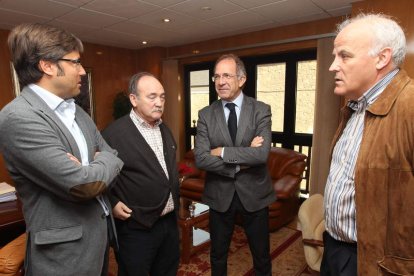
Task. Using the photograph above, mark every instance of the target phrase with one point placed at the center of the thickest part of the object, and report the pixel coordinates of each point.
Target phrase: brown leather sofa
(286, 168)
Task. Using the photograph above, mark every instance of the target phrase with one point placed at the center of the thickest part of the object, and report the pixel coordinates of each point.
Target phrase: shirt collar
(372, 94)
(237, 101)
(51, 99)
(137, 119)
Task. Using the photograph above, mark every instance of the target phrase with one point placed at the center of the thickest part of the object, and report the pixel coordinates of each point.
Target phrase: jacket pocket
(392, 265)
(58, 235)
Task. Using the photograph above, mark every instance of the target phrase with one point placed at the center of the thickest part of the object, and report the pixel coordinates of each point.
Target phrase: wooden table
(11, 221)
(192, 224)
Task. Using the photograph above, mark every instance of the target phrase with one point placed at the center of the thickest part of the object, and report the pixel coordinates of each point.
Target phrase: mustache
(157, 110)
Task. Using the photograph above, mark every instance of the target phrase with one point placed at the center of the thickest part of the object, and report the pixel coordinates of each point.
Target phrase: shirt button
(103, 216)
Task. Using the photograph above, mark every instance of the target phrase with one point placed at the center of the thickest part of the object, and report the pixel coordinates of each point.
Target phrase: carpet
(286, 252)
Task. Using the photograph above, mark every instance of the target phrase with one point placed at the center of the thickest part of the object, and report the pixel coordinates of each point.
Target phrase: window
(305, 96)
(270, 83)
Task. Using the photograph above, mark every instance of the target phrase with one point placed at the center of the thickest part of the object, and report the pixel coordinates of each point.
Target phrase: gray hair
(240, 69)
(386, 32)
(133, 82)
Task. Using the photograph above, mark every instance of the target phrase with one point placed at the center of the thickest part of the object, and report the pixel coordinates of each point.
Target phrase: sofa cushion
(12, 256)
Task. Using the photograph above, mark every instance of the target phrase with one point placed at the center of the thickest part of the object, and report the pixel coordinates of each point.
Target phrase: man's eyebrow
(345, 52)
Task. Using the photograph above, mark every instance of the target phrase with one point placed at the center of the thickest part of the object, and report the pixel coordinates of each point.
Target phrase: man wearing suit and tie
(145, 197)
(60, 164)
(232, 145)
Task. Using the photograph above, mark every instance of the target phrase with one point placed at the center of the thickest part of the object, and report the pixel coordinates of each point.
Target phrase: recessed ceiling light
(166, 20)
(99, 53)
(144, 42)
(206, 8)
(196, 51)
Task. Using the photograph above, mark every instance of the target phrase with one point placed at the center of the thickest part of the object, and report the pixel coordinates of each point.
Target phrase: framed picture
(15, 81)
(84, 99)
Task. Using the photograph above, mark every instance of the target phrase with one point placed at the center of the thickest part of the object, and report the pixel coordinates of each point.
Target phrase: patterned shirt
(152, 135)
(339, 200)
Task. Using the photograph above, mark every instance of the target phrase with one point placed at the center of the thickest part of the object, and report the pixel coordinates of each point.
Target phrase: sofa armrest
(188, 170)
(12, 256)
(312, 242)
(287, 186)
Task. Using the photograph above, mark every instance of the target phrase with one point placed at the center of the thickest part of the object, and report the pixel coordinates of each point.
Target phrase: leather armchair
(311, 219)
(12, 257)
(285, 167)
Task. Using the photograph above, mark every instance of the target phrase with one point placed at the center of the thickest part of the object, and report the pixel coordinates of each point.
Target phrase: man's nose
(82, 71)
(222, 80)
(334, 66)
(158, 101)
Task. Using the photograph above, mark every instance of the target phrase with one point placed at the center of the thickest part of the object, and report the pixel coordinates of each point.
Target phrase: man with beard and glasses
(59, 162)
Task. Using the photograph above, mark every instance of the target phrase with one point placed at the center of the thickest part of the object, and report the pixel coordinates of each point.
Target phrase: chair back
(311, 219)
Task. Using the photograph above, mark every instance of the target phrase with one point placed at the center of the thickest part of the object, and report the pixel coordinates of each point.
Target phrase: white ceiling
(126, 23)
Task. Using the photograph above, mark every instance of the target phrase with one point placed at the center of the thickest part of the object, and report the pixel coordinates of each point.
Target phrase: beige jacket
(384, 182)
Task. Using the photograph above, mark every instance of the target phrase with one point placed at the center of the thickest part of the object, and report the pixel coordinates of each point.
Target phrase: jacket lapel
(86, 133)
(385, 101)
(221, 122)
(168, 149)
(245, 113)
(34, 100)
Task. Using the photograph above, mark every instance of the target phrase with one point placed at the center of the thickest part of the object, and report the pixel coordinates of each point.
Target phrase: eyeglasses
(77, 62)
(224, 76)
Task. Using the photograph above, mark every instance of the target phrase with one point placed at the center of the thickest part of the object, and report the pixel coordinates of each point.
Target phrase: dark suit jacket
(66, 226)
(142, 184)
(253, 184)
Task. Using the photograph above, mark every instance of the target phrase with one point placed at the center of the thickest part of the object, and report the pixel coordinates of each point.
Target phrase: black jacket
(142, 184)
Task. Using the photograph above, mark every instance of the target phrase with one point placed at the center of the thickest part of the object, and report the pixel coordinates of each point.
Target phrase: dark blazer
(142, 184)
(253, 184)
(66, 226)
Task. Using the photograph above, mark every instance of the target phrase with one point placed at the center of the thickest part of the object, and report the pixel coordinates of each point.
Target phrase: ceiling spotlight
(206, 8)
(144, 42)
(196, 52)
(166, 20)
(99, 53)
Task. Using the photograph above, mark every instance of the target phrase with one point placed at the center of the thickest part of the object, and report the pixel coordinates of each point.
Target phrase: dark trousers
(256, 227)
(339, 258)
(149, 252)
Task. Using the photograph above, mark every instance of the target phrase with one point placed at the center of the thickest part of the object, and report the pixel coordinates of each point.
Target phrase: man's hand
(216, 151)
(121, 211)
(257, 142)
(74, 159)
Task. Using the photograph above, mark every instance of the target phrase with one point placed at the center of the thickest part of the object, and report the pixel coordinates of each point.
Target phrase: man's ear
(47, 67)
(133, 99)
(384, 58)
(242, 80)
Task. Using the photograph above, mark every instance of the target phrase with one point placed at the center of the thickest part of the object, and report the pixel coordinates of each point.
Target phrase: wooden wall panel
(318, 27)
(111, 69)
(150, 60)
(6, 90)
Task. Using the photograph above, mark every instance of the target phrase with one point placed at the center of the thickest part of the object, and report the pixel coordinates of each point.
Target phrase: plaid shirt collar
(140, 121)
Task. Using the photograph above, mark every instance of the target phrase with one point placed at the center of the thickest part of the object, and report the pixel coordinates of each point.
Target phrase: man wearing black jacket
(145, 200)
